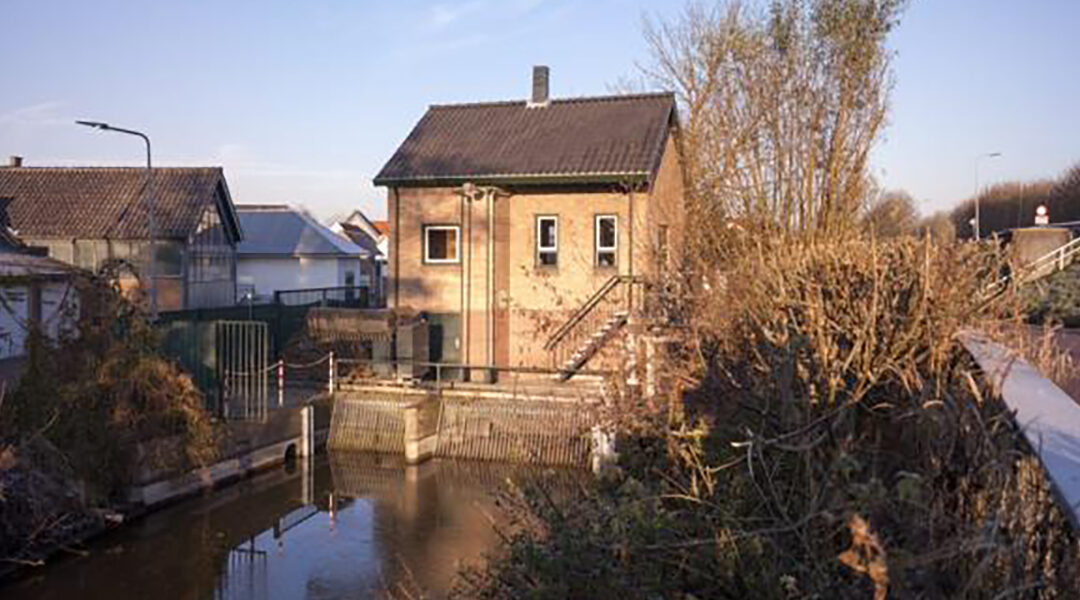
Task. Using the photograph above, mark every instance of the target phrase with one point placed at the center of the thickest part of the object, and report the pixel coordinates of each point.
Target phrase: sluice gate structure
(540, 422)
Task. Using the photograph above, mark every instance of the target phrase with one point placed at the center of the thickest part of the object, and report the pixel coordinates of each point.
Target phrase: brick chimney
(540, 92)
(14, 161)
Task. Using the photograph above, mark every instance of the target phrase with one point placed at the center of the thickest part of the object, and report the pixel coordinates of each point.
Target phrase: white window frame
(540, 248)
(457, 245)
(598, 248)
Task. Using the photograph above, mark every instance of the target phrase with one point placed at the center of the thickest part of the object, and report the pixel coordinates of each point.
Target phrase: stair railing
(612, 298)
(1047, 264)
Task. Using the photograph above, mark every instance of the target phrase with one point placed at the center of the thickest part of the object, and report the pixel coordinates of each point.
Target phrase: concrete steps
(592, 345)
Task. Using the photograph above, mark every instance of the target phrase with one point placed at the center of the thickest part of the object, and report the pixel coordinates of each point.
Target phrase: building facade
(92, 218)
(286, 249)
(507, 218)
(374, 237)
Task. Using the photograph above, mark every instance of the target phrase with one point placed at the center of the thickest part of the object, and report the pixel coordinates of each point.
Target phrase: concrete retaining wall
(421, 424)
(375, 423)
(547, 433)
(250, 447)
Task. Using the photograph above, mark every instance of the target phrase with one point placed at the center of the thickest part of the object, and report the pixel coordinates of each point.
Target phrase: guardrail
(1047, 416)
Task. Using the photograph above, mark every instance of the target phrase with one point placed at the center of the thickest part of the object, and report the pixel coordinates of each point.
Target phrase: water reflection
(347, 525)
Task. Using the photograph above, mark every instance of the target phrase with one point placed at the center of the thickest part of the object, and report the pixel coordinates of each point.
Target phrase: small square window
(441, 244)
(607, 240)
(547, 241)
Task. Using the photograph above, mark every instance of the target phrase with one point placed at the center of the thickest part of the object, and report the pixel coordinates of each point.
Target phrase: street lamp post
(978, 223)
(147, 200)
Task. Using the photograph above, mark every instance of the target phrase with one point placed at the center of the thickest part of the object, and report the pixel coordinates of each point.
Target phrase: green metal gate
(229, 361)
(244, 365)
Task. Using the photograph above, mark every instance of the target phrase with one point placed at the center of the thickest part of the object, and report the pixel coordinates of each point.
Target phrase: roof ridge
(108, 168)
(340, 242)
(568, 100)
(263, 207)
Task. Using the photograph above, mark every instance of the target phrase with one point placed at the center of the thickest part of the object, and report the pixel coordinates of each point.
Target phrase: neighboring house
(35, 291)
(286, 249)
(89, 216)
(372, 236)
(507, 217)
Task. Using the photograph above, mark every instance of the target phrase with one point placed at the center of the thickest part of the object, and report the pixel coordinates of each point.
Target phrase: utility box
(412, 349)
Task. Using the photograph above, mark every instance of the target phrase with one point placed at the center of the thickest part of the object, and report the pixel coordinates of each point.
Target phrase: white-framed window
(547, 240)
(442, 244)
(607, 240)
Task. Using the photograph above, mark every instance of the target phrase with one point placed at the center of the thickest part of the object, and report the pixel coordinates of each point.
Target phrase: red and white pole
(281, 383)
(330, 383)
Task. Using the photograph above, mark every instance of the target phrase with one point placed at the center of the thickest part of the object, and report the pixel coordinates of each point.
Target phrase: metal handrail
(586, 308)
(1056, 259)
(322, 294)
(464, 366)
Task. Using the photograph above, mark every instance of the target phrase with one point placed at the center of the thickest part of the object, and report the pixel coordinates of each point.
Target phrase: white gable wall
(270, 274)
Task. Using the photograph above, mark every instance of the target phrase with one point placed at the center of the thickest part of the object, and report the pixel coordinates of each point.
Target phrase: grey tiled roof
(100, 202)
(588, 139)
(283, 231)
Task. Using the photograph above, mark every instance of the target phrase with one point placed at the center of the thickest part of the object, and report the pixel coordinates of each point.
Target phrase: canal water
(343, 526)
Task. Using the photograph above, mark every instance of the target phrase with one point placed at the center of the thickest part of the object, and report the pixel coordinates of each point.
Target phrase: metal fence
(339, 297)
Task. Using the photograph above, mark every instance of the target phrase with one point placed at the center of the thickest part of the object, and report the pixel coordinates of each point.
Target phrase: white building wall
(267, 275)
(351, 265)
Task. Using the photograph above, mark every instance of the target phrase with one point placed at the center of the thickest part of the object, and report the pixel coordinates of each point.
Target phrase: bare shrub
(833, 391)
(891, 214)
(103, 388)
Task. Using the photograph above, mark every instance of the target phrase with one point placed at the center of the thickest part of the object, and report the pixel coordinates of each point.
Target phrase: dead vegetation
(833, 439)
(73, 426)
(839, 443)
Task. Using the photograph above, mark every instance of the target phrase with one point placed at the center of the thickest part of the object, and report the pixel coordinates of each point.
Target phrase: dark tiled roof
(360, 237)
(586, 139)
(99, 202)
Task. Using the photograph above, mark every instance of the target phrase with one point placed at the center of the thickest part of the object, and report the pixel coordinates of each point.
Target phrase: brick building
(510, 220)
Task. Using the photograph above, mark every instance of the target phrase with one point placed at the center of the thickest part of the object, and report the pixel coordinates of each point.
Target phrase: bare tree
(1010, 204)
(938, 226)
(1065, 196)
(780, 105)
(892, 214)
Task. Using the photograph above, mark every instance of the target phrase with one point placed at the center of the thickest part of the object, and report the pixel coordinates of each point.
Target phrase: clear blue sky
(302, 102)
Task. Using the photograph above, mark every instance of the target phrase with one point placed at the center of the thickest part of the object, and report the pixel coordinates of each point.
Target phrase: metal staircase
(590, 327)
(1047, 264)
